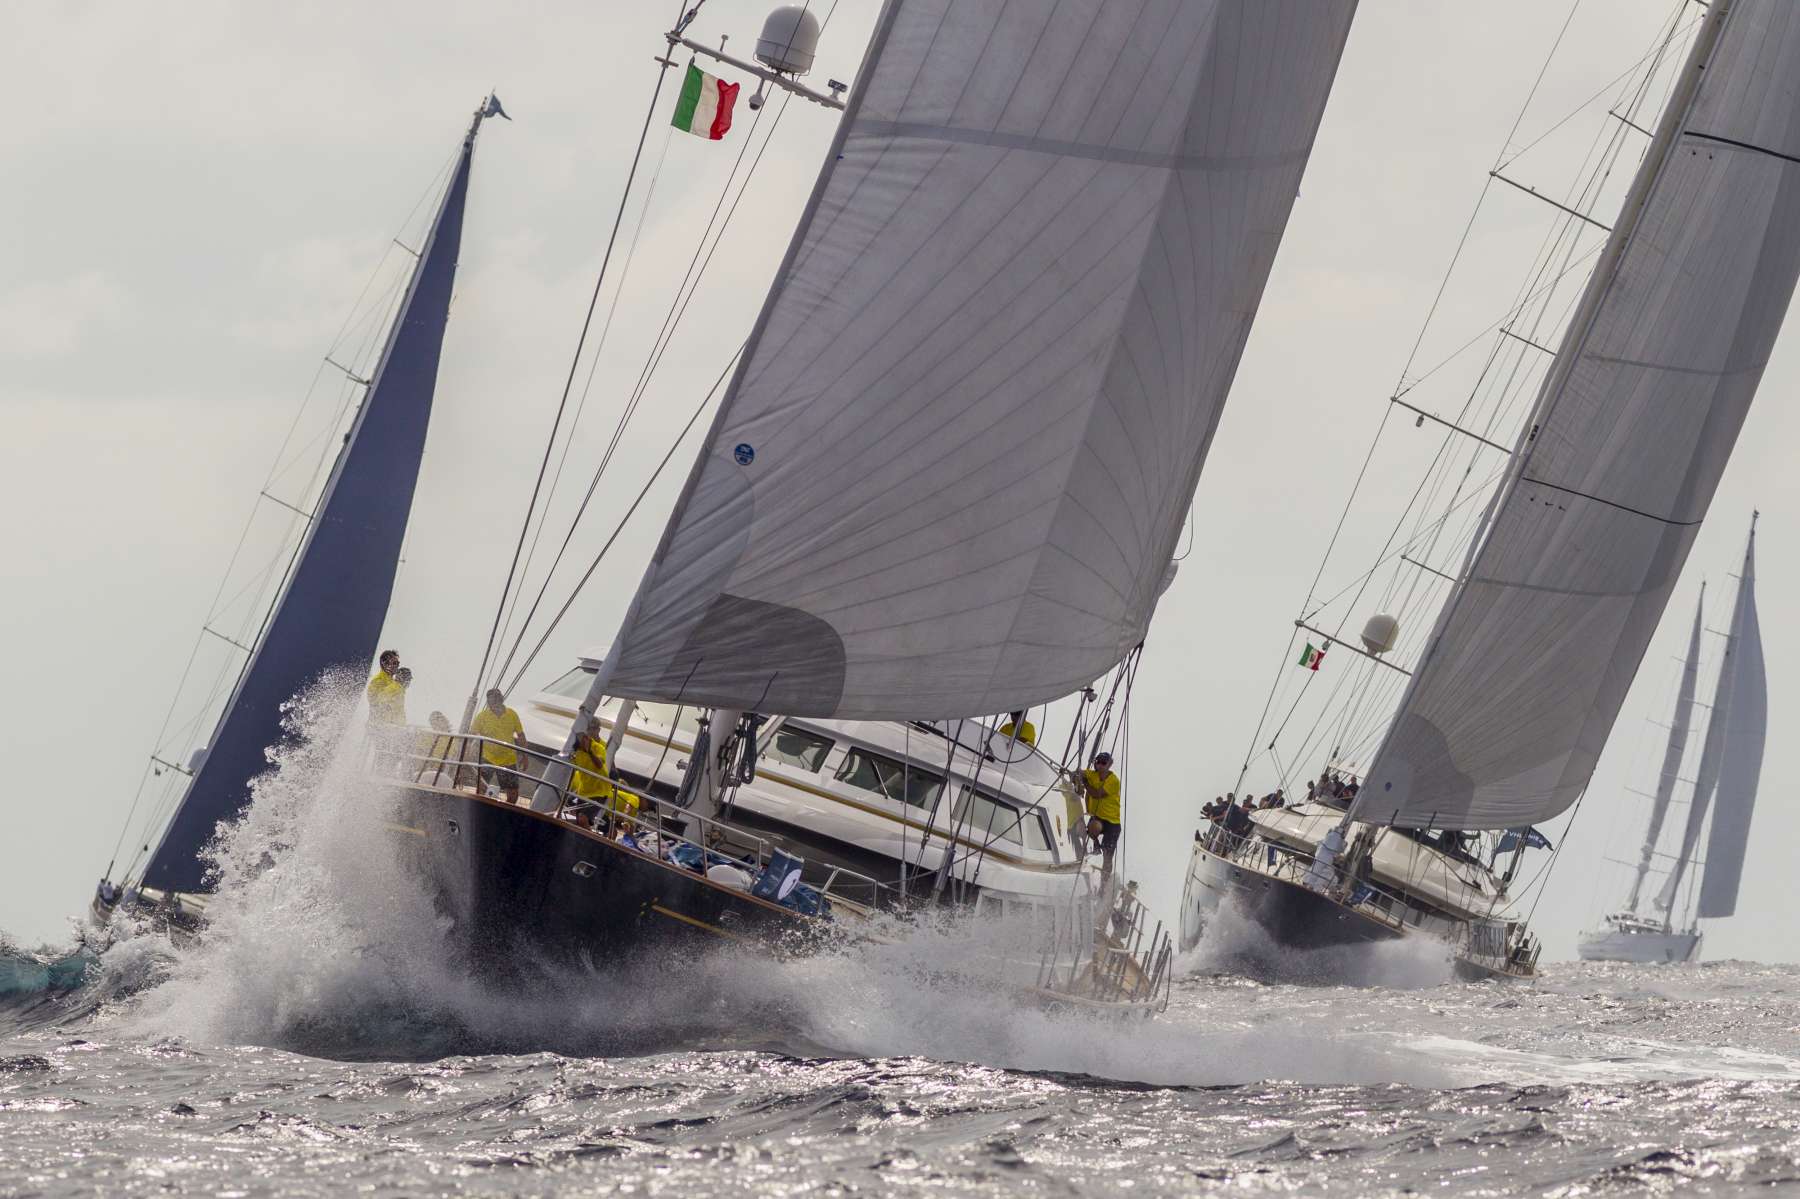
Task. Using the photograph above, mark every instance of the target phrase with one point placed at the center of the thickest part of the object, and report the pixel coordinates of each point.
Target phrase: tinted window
(796, 747)
(981, 817)
(886, 777)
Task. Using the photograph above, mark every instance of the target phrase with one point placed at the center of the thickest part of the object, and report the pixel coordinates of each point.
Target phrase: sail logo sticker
(745, 453)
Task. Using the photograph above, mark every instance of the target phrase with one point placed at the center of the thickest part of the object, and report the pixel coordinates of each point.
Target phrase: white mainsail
(953, 465)
(1532, 656)
(1679, 724)
(1740, 764)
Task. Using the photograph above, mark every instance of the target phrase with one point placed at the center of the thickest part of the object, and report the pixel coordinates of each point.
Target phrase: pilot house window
(797, 747)
(889, 778)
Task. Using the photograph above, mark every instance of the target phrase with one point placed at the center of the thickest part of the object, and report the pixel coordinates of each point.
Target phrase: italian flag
(704, 109)
(1310, 657)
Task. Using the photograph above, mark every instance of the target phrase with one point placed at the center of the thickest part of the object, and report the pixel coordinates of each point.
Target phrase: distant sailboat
(331, 607)
(1724, 786)
(1521, 679)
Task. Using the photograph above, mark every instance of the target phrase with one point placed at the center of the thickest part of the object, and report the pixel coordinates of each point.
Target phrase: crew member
(1100, 786)
(1017, 725)
(387, 694)
(590, 780)
(500, 729)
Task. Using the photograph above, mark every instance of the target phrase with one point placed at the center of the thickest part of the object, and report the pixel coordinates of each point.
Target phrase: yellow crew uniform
(1103, 795)
(501, 727)
(387, 699)
(1027, 731)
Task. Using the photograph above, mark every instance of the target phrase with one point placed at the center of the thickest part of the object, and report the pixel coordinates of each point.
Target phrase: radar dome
(1379, 635)
(790, 39)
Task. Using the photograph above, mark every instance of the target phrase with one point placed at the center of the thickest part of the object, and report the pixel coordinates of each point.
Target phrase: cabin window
(797, 747)
(1037, 835)
(573, 685)
(890, 779)
(983, 818)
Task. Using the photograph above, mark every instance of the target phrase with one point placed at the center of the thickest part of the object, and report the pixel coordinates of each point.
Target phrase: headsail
(1533, 655)
(334, 602)
(1673, 752)
(951, 470)
(1740, 759)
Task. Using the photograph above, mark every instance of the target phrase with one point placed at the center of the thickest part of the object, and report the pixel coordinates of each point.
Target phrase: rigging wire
(625, 519)
(569, 383)
(671, 322)
(1428, 488)
(277, 468)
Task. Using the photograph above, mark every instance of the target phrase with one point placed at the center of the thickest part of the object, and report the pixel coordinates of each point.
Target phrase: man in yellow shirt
(590, 779)
(1024, 729)
(387, 694)
(1100, 787)
(502, 729)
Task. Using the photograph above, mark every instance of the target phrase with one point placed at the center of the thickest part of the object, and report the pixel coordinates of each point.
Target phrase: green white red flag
(704, 108)
(1311, 657)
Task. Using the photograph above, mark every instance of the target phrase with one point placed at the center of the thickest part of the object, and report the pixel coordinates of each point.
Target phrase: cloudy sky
(199, 194)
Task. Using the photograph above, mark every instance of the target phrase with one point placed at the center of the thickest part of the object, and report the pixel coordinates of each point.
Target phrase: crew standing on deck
(590, 779)
(1100, 787)
(387, 694)
(501, 729)
(1017, 726)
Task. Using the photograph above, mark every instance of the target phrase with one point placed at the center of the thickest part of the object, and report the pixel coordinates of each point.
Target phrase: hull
(1617, 945)
(526, 892)
(1277, 929)
(527, 896)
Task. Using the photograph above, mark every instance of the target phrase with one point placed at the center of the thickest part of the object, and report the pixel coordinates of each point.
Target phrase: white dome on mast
(1380, 633)
(789, 41)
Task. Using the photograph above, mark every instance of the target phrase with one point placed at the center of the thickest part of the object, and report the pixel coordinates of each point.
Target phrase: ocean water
(319, 1041)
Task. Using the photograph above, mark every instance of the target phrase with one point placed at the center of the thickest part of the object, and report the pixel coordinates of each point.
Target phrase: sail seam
(1066, 149)
(1680, 524)
(1732, 141)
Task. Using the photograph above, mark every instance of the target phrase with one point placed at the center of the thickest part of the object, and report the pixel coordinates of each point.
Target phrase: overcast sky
(198, 193)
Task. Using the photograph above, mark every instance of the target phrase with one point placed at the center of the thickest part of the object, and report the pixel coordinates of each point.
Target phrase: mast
(1531, 658)
(332, 606)
(1672, 752)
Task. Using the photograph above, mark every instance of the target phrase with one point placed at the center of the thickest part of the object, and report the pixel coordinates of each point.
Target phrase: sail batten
(1532, 657)
(332, 606)
(955, 459)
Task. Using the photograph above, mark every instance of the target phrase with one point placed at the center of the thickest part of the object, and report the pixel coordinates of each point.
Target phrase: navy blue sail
(331, 609)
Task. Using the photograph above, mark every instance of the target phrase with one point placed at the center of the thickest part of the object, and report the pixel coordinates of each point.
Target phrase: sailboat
(946, 480)
(331, 605)
(1724, 786)
(1505, 713)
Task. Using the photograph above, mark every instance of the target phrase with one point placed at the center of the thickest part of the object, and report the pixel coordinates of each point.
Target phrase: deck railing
(458, 762)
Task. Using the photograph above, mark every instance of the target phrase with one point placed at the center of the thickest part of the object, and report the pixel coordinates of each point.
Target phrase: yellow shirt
(1027, 731)
(387, 699)
(1102, 795)
(589, 780)
(502, 727)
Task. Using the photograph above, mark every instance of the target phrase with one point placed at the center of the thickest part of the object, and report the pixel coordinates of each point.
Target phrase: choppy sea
(318, 1041)
(140, 1072)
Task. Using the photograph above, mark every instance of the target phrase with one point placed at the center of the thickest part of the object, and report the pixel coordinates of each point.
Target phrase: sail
(1740, 759)
(1672, 753)
(951, 469)
(1716, 747)
(331, 609)
(1533, 655)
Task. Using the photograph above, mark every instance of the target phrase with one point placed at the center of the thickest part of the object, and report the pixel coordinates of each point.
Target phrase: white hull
(1615, 945)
